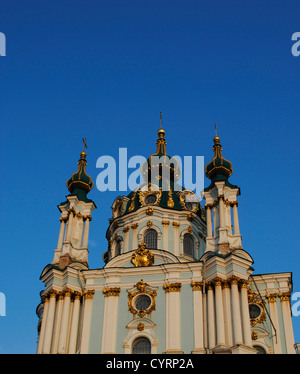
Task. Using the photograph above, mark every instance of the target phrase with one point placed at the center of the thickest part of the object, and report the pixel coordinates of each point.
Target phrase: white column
(126, 235)
(109, 331)
(245, 314)
(86, 233)
(227, 313)
(176, 238)
(209, 221)
(211, 316)
(57, 323)
(69, 226)
(172, 291)
(134, 235)
(43, 325)
(198, 318)
(49, 323)
(61, 233)
(165, 235)
(86, 325)
(221, 212)
(219, 312)
(236, 227)
(62, 343)
(236, 312)
(74, 324)
(287, 321)
(272, 299)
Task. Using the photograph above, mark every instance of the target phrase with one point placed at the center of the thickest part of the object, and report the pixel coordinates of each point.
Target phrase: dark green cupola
(80, 183)
(218, 169)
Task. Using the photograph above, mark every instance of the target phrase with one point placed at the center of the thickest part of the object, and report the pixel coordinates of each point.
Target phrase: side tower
(221, 205)
(64, 299)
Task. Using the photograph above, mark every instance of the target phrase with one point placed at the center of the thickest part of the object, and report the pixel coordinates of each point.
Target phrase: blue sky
(104, 70)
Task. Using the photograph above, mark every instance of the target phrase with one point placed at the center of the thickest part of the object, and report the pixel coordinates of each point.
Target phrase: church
(176, 278)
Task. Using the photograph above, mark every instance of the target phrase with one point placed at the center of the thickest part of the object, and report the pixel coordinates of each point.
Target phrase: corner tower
(221, 205)
(72, 245)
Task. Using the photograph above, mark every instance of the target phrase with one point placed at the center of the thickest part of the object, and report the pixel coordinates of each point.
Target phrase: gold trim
(197, 286)
(172, 287)
(111, 291)
(142, 256)
(142, 289)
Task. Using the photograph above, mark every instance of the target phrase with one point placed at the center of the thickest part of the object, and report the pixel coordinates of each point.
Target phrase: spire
(80, 183)
(219, 168)
(165, 162)
(161, 142)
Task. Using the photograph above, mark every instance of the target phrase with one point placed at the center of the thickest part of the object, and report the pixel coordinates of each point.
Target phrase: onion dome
(218, 168)
(80, 183)
(161, 168)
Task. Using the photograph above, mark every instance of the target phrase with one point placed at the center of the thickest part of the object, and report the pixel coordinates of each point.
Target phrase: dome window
(188, 245)
(150, 238)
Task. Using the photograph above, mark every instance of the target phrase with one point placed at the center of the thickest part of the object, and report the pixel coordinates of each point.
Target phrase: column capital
(88, 294)
(271, 297)
(284, 296)
(172, 287)
(197, 286)
(111, 291)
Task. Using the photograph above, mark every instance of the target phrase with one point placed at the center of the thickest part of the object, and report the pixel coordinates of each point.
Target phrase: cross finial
(84, 144)
(161, 120)
(216, 128)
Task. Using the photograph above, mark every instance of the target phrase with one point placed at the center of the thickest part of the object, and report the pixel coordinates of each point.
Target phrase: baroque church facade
(176, 277)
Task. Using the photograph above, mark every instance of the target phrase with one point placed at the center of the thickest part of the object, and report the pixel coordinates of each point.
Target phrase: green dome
(80, 183)
(218, 168)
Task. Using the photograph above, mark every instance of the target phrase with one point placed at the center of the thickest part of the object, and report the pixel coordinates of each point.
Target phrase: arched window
(150, 238)
(141, 345)
(118, 248)
(188, 245)
(260, 350)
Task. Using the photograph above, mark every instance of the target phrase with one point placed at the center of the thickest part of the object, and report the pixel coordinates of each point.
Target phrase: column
(74, 323)
(227, 312)
(176, 238)
(236, 227)
(62, 343)
(221, 211)
(198, 318)
(69, 225)
(211, 316)
(209, 221)
(134, 235)
(61, 233)
(219, 312)
(272, 299)
(86, 325)
(236, 312)
(43, 326)
(287, 321)
(86, 232)
(109, 331)
(172, 291)
(245, 314)
(49, 322)
(126, 234)
(165, 235)
(57, 322)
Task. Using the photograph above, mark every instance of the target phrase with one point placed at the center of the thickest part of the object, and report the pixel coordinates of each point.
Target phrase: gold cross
(84, 143)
